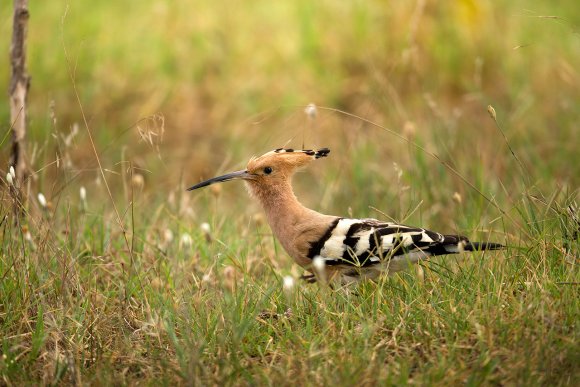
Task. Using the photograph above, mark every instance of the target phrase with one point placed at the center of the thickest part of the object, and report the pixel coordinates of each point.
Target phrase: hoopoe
(350, 249)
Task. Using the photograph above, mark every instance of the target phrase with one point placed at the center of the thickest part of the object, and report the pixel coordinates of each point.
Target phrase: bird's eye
(267, 170)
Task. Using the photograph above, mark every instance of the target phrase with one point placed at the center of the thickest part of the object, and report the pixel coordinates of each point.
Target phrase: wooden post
(19, 84)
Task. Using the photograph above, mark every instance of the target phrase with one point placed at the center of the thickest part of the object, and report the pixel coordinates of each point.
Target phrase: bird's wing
(365, 242)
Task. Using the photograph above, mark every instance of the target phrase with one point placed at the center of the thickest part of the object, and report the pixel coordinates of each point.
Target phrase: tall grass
(150, 284)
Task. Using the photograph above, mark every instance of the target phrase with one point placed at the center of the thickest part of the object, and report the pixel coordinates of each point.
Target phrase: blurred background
(137, 280)
(180, 91)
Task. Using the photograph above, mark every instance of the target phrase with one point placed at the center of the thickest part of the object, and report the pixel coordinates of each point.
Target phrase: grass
(146, 294)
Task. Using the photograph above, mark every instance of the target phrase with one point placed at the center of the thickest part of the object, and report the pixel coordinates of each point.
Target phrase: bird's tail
(458, 243)
(480, 246)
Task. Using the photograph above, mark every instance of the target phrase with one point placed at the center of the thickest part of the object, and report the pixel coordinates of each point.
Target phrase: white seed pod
(311, 111)
(205, 227)
(12, 172)
(9, 179)
(288, 283)
(319, 264)
(42, 200)
(83, 194)
(206, 230)
(185, 241)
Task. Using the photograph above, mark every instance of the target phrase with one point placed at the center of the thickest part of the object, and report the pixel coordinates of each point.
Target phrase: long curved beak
(220, 179)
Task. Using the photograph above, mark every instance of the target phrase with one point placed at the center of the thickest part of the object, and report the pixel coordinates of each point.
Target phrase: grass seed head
(319, 268)
(311, 111)
(409, 129)
(319, 265)
(491, 112)
(206, 278)
(398, 170)
(206, 230)
(185, 241)
(138, 181)
(42, 200)
(288, 283)
(83, 194)
(9, 178)
(420, 273)
(12, 172)
(167, 236)
(28, 237)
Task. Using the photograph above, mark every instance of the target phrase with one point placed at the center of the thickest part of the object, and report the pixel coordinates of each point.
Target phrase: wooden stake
(19, 84)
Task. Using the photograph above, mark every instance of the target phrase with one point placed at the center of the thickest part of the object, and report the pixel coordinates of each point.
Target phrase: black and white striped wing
(366, 242)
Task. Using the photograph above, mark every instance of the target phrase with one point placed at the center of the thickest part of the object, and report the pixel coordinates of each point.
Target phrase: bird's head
(270, 169)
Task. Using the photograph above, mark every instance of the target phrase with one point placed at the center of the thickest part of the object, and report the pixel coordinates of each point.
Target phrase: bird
(347, 249)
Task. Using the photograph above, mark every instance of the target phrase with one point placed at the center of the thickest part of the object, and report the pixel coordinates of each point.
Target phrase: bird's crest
(323, 152)
(288, 159)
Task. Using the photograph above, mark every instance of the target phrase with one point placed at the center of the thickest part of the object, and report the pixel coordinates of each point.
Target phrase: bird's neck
(285, 214)
(294, 225)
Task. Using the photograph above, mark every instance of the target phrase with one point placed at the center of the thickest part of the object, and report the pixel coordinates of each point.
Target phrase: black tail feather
(453, 244)
(480, 246)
